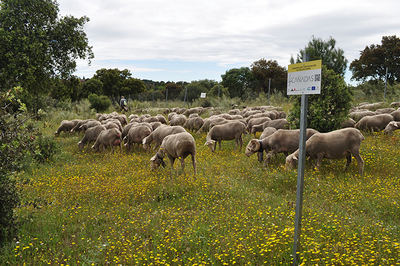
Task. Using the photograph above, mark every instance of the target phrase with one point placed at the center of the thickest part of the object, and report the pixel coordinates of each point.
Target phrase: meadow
(105, 208)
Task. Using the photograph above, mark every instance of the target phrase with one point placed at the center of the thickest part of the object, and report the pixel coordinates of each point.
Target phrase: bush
(100, 103)
(326, 111)
(45, 149)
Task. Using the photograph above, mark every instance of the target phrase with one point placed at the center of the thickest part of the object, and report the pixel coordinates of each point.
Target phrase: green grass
(103, 208)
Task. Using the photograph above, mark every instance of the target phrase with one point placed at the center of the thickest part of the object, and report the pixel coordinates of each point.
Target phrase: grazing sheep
(374, 123)
(392, 126)
(136, 135)
(385, 110)
(206, 125)
(341, 143)
(357, 115)
(395, 104)
(66, 126)
(159, 134)
(178, 120)
(229, 131)
(268, 131)
(161, 119)
(282, 141)
(91, 135)
(175, 146)
(150, 119)
(77, 127)
(348, 123)
(109, 137)
(277, 124)
(89, 124)
(126, 128)
(155, 125)
(256, 121)
(194, 123)
(396, 115)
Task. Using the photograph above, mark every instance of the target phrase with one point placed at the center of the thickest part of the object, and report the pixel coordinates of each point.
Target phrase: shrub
(100, 103)
(326, 111)
(45, 148)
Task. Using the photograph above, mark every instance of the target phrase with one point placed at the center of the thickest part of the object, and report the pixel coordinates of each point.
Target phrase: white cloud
(229, 31)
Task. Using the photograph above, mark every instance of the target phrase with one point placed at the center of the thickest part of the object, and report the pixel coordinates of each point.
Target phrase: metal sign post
(303, 79)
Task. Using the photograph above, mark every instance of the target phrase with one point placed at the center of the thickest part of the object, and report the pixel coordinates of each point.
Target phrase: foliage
(174, 90)
(331, 57)
(326, 111)
(195, 88)
(92, 85)
(218, 90)
(16, 144)
(37, 45)
(45, 148)
(239, 82)
(100, 103)
(264, 70)
(374, 60)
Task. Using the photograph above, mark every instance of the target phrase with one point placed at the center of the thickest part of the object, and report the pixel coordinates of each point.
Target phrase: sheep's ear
(396, 125)
(295, 158)
(144, 141)
(153, 158)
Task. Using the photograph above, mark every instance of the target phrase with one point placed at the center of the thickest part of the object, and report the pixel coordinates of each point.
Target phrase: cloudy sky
(191, 39)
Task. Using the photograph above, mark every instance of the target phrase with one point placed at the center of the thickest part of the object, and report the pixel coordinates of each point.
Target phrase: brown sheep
(282, 141)
(392, 126)
(277, 124)
(175, 146)
(91, 135)
(109, 137)
(136, 135)
(229, 131)
(159, 134)
(374, 123)
(194, 123)
(341, 143)
(66, 126)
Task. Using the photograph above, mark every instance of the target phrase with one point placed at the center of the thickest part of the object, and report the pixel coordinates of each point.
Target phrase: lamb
(374, 123)
(159, 134)
(282, 141)
(332, 145)
(109, 137)
(66, 126)
(229, 131)
(91, 135)
(136, 135)
(392, 126)
(178, 145)
(277, 124)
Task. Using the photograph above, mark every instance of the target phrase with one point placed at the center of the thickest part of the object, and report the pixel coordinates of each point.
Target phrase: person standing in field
(123, 103)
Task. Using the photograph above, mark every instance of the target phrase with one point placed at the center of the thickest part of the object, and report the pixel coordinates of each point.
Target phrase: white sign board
(203, 95)
(304, 78)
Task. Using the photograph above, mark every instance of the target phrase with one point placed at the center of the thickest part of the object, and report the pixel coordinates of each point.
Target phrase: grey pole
(269, 90)
(300, 174)
(185, 97)
(384, 94)
(166, 95)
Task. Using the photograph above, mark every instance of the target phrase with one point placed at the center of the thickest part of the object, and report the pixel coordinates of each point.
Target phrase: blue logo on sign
(313, 88)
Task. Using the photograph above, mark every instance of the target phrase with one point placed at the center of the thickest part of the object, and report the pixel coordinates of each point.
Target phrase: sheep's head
(80, 145)
(291, 161)
(146, 145)
(252, 147)
(210, 144)
(157, 160)
(392, 126)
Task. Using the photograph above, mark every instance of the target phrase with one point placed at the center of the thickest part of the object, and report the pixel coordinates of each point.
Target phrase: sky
(187, 40)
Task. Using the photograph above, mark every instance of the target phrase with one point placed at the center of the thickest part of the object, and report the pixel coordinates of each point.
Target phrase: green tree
(132, 87)
(326, 111)
(264, 70)
(374, 60)
(239, 81)
(174, 89)
(331, 57)
(37, 45)
(219, 90)
(90, 86)
(113, 81)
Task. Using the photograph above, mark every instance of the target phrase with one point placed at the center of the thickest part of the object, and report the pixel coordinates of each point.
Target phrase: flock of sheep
(172, 138)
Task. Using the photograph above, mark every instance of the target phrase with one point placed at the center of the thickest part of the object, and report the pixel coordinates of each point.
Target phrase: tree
(174, 89)
(239, 81)
(37, 45)
(331, 57)
(219, 91)
(132, 87)
(113, 81)
(326, 111)
(90, 86)
(374, 60)
(264, 70)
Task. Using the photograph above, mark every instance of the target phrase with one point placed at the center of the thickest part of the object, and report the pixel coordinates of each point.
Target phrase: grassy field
(105, 208)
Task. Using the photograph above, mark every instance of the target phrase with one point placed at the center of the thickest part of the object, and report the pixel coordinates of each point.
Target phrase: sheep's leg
(194, 163)
(172, 160)
(268, 157)
(219, 143)
(319, 159)
(215, 146)
(348, 157)
(360, 161)
(240, 142)
(183, 165)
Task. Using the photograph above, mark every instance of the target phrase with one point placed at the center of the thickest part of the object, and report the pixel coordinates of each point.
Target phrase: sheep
(395, 104)
(268, 131)
(282, 141)
(348, 123)
(357, 115)
(159, 134)
(178, 145)
(66, 126)
(113, 120)
(392, 126)
(155, 125)
(206, 125)
(109, 137)
(385, 110)
(136, 135)
(126, 128)
(89, 124)
(256, 121)
(229, 131)
(194, 123)
(336, 144)
(277, 124)
(91, 135)
(77, 128)
(178, 120)
(161, 119)
(396, 115)
(374, 123)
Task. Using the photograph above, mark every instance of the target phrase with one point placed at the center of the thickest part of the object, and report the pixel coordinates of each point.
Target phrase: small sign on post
(303, 79)
(203, 95)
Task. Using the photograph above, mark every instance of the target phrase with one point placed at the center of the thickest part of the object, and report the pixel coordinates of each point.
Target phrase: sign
(304, 78)
(203, 95)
